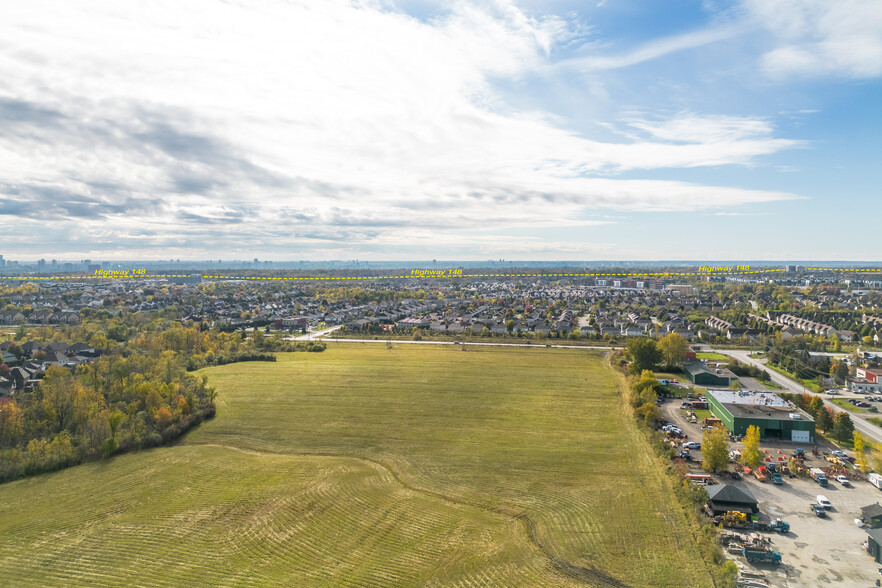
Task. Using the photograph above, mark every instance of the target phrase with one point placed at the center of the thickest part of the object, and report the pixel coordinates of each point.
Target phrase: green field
(368, 466)
(712, 356)
(846, 405)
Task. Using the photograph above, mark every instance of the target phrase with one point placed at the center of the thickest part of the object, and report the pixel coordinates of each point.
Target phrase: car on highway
(843, 480)
(839, 453)
(832, 392)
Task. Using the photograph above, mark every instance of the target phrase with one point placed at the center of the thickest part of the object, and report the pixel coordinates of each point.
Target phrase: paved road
(866, 429)
(315, 335)
(470, 343)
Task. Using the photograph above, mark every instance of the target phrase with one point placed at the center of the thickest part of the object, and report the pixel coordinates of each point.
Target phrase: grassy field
(810, 385)
(371, 466)
(875, 420)
(846, 405)
(712, 356)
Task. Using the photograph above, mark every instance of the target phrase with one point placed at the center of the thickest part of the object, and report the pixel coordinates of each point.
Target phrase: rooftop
(763, 399)
(695, 367)
(758, 405)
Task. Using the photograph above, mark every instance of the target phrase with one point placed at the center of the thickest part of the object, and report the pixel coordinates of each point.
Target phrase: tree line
(138, 393)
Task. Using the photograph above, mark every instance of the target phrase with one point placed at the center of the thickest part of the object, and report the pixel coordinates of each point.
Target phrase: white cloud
(657, 48)
(207, 125)
(821, 37)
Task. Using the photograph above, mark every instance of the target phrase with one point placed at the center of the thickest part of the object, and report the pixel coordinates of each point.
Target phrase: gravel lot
(817, 551)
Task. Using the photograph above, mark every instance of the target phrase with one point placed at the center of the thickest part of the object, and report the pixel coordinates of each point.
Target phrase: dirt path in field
(591, 576)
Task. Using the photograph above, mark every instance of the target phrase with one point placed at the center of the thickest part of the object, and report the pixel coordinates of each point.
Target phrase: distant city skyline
(719, 130)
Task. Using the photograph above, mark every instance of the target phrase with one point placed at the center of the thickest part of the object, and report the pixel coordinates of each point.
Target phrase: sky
(414, 129)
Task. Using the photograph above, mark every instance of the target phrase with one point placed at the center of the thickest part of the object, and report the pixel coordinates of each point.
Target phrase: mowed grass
(370, 466)
(203, 516)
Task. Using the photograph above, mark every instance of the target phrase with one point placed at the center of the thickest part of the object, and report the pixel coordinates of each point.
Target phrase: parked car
(823, 502)
(692, 445)
(843, 480)
(818, 510)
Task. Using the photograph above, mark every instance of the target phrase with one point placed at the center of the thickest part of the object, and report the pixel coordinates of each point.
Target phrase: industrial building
(725, 497)
(775, 417)
(702, 375)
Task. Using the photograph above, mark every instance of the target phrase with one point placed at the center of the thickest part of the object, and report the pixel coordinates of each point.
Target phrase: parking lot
(817, 551)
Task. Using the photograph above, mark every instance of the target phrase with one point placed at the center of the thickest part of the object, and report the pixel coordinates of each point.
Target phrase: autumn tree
(10, 421)
(650, 413)
(752, 455)
(839, 371)
(58, 397)
(859, 451)
(715, 448)
(645, 389)
(673, 349)
(816, 405)
(163, 416)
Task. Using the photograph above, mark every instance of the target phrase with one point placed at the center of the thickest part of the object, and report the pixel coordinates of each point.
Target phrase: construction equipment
(833, 459)
(761, 473)
(732, 518)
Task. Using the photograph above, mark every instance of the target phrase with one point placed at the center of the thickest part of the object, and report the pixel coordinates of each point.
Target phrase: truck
(755, 554)
(875, 479)
(777, 525)
(799, 453)
(819, 476)
(776, 478)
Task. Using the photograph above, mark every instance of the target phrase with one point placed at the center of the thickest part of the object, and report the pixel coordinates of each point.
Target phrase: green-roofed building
(702, 375)
(775, 417)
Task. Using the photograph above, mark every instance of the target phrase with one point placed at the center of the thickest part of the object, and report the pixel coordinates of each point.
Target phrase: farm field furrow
(368, 466)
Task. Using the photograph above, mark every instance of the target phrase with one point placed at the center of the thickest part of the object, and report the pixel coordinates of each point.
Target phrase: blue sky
(616, 129)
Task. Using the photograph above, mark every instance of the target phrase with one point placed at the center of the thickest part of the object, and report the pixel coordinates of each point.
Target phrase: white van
(822, 501)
